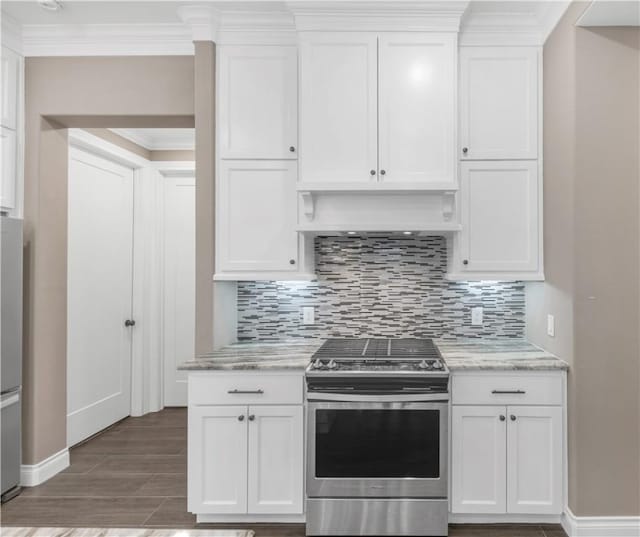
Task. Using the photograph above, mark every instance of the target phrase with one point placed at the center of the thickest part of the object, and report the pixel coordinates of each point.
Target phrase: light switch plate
(551, 325)
(308, 315)
(476, 316)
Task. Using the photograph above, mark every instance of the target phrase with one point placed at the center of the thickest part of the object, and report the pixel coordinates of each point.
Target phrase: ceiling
(611, 13)
(160, 139)
(118, 11)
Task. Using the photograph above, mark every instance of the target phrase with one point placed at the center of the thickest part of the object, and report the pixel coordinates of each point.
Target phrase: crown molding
(107, 40)
(11, 34)
(204, 21)
(175, 140)
(378, 16)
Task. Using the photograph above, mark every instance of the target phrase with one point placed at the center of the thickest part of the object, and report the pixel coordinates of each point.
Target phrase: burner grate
(378, 348)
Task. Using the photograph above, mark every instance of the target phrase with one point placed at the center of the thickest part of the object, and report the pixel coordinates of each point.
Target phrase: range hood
(391, 209)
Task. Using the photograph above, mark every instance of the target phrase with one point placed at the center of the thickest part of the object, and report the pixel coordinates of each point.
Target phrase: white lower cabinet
(506, 459)
(246, 459)
(276, 459)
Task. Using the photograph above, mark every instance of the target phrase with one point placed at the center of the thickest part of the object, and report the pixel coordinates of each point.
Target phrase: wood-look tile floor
(134, 475)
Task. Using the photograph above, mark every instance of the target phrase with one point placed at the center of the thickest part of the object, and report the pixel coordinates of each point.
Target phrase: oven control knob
(424, 365)
(317, 364)
(438, 365)
(332, 364)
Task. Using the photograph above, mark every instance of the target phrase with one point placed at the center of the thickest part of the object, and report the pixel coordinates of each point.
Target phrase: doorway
(131, 277)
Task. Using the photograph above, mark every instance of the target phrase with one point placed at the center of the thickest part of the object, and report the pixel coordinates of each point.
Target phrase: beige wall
(205, 73)
(592, 240)
(75, 92)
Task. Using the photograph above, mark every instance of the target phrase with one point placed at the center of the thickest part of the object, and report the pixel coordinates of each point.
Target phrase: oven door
(393, 449)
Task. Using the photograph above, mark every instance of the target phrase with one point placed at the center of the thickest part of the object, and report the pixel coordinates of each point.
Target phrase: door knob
(129, 322)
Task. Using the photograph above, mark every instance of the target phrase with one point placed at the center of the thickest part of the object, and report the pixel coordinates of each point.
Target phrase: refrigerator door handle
(10, 400)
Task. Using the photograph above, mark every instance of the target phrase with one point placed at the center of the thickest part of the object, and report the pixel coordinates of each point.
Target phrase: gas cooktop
(377, 356)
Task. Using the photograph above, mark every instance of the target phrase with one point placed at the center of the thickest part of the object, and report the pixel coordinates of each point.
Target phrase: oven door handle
(391, 398)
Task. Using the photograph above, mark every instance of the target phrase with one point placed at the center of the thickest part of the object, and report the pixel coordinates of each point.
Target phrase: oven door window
(377, 443)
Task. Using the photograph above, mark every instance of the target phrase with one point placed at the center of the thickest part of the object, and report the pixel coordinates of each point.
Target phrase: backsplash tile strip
(380, 286)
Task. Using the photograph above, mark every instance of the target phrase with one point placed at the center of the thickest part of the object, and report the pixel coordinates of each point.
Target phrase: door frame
(146, 352)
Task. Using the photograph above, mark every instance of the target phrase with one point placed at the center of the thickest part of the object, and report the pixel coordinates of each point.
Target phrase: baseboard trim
(600, 526)
(35, 474)
(502, 518)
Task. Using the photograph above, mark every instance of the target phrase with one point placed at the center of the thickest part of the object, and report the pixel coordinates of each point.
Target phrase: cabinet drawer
(245, 389)
(507, 389)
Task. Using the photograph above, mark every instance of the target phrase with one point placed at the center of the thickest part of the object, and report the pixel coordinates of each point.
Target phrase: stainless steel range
(377, 431)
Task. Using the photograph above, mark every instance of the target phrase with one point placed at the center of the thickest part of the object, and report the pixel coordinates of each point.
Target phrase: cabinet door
(276, 460)
(500, 216)
(338, 107)
(499, 102)
(478, 459)
(9, 169)
(534, 460)
(10, 81)
(257, 216)
(258, 102)
(217, 459)
(417, 108)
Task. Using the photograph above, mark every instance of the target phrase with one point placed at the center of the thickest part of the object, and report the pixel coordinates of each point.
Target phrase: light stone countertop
(459, 355)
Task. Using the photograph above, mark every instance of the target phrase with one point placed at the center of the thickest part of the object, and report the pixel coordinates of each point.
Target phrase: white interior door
(99, 294)
(179, 285)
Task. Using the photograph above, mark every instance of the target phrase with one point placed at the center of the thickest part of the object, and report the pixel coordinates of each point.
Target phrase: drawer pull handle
(235, 392)
(508, 392)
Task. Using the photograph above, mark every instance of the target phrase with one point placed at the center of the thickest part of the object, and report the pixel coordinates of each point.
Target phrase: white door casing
(276, 466)
(9, 170)
(338, 107)
(499, 103)
(478, 459)
(257, 216)
(217, 466)
(534, 459)
(179, 284)
(99, 293)
(258, 101)
(10, 73)
(417, 108)
(500, 216)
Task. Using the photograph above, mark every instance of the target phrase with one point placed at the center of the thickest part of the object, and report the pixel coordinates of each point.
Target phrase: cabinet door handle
(372, 172)
(252, 417)
(383, 172)
(292, 261)
(129, 322)
(502, 417)
(292, 149)
(465, 261)
(241, 417)
(513, 418)
(255, 392)
(465, 150)
(508, 392)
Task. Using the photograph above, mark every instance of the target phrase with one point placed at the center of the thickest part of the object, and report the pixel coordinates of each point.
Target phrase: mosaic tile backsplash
(379, 286)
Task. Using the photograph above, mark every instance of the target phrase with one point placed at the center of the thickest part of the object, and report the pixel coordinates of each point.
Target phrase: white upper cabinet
(258, 102)
(10, 82)
(500, 217)
(499, 103)
(9, 169)
(256, 216)
(417, 108)
(338, 107)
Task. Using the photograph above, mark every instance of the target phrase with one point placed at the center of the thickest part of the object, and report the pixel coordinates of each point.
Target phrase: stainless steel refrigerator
(11, 354)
